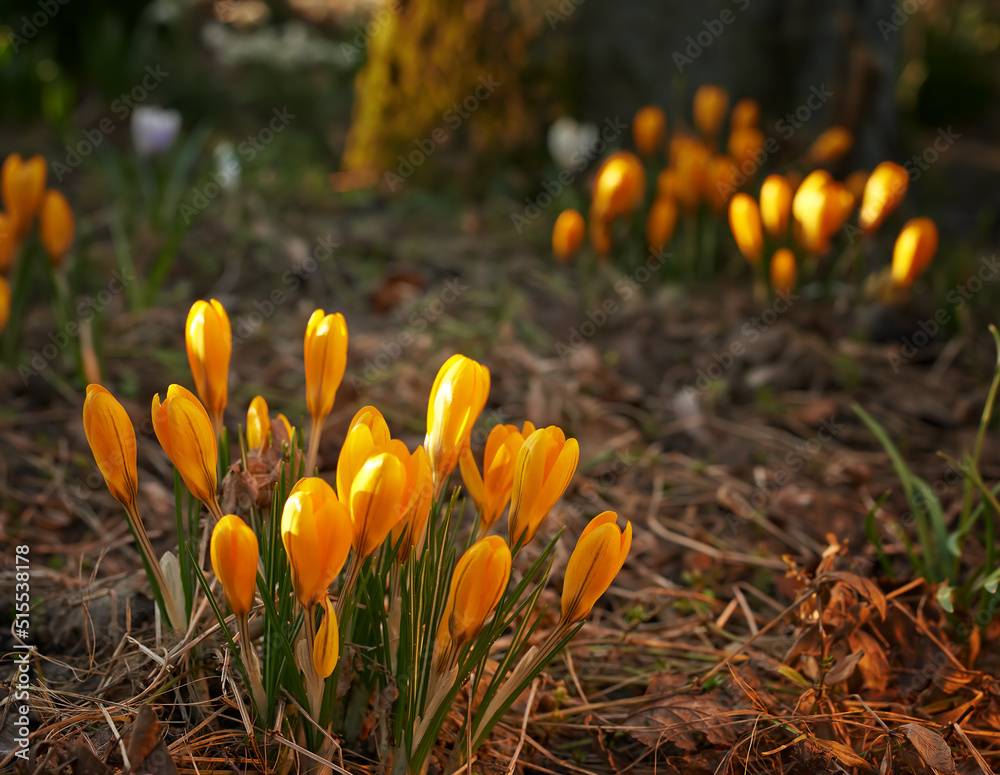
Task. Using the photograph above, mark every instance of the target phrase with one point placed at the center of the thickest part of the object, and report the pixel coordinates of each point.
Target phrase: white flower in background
(227, 166)
(570, 141)
(154, 129)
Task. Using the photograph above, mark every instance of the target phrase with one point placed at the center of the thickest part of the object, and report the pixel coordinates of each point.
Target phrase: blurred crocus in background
(227, 165)
(571, 142)
(154, 129)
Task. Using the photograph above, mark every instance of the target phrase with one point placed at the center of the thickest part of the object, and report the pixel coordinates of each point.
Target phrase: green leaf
(991, 581)
(944, 596)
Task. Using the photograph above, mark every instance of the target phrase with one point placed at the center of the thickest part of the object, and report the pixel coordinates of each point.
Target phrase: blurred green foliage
(49, 49)
(961, 59)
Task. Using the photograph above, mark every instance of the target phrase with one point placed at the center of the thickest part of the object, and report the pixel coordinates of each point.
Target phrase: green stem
(984, 422)
(315, 433)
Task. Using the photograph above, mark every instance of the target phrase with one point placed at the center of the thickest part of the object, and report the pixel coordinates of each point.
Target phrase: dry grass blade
(524, 728)
(984, 767)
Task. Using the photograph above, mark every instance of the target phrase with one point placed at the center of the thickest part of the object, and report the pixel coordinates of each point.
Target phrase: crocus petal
(56, 225)
(366, 433)
(326, 645)
(234, 554)
(209, 341)
(711, 103)
(111, 437)
(317, 533)
(325, 352)
(258, 424)
(568, 234)
(376, 501)
(884, 190)
(649, 130)
(545, 465)
(4, 302)
(477, 585)
(185, 432)
(416, 501)
(599, 555)
(775, 204)
(745, 223)
(456, 401)
(915, 247)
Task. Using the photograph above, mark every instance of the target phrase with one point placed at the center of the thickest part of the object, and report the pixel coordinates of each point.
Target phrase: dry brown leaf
(144, 734)
(395, 289)
(84, 761)
(874, 665)
(951, 679)
(679, 718)
(159, 761)
(844, 668)
(866, 588)
(932, 748)
(842, 753)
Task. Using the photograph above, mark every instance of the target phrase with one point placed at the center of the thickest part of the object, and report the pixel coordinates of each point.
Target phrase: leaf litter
(752, 630)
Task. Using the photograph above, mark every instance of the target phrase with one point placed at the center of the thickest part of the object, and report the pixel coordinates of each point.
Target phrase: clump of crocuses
(372, 562)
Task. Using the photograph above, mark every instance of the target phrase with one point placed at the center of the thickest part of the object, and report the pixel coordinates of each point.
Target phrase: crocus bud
(543, 470)
(415, 505)
(154, 129)
(915, 248)
(56, 225)
(376, 501)
(258, 424)
(710, 105)
(619, 188)
(745, 223)
(491, 491)
(775, 204)
(784, 274)
(820, 206)
(234, 555)
(480, 578)
(746, 113)
(746, 145)
(567, 235)
(366, 434)
(884, 190)
(839, 206)
(4, 303)
(649, 130)
(692, 163)
(809, 188)
(660, 223)
(209, 341)
(111, 437)
(326, 645)
(22, 185)
(185, 432)
(830, 145)
(719, 188)
(666, 184)
(8, 242)
(598, 557)
(457, 399)
(325, 361)
(317, 533)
